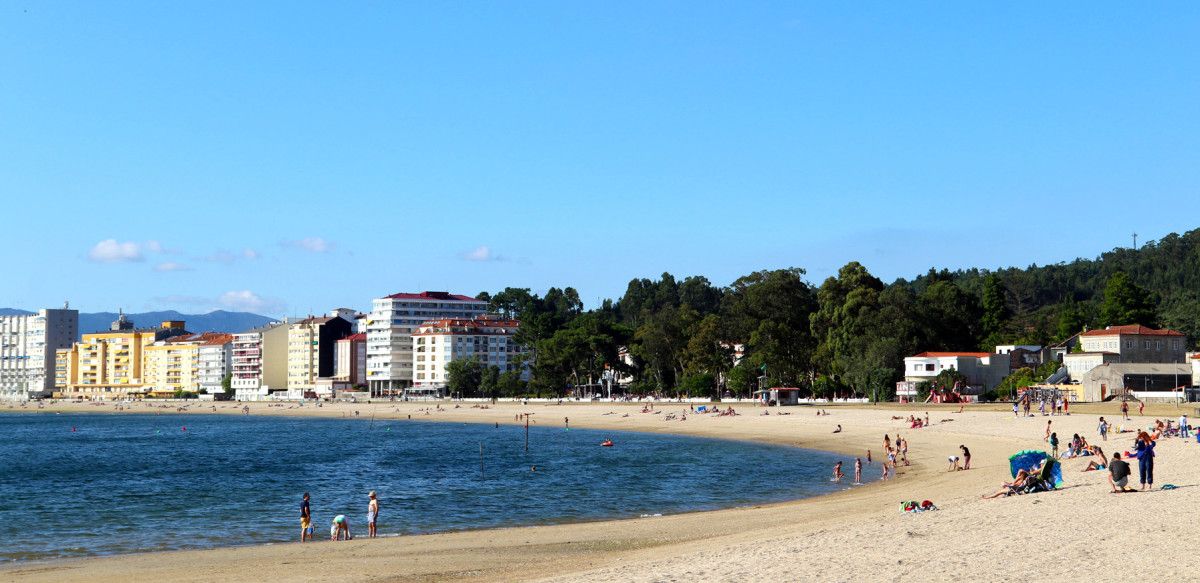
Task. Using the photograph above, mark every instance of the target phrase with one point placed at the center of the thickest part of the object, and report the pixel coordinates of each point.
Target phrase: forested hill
(851, 332)
(1051, 302)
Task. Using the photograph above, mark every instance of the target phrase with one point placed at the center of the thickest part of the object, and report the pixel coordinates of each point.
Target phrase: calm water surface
(98, 484)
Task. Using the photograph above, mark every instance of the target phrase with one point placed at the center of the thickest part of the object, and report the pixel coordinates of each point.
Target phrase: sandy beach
(1080, 531)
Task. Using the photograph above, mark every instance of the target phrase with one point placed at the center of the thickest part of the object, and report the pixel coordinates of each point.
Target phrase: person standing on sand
(1015, 409)
(1053, 439)
(1125, 410)
(1183, 426)
(966, 456)
(1141, 407)
(1144, 451)
(1103, 429)
(306, 528)
(372, 514)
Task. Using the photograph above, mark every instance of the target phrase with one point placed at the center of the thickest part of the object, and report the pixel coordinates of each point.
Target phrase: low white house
(984, 370)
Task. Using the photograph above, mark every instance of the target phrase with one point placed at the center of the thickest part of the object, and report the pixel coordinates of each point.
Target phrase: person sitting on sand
(1118, 474)
(1009, 487)
(1099, 462)
(838, 430)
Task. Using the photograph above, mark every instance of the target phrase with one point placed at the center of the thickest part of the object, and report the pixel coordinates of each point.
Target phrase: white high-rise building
(390, 327)
(215, 361)
(27, 351)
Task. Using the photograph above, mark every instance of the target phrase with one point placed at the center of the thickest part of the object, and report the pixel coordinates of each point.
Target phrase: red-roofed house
(983, 370)
(1136, 343)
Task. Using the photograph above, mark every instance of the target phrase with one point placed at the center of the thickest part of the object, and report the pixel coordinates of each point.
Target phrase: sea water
(99, 484)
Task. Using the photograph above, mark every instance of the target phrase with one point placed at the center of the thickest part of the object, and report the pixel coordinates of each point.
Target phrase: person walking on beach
(306, 528)
(1141, 407)
(1125, 410)
(1015, 409)
(1047, 436)
(1103, 429)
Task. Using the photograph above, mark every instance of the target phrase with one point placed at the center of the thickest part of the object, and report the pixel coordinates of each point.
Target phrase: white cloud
(113, 251)
(250, 254)
(482, 253)
(154, 246)
(248, 301)
(171, 266)
(310, 244)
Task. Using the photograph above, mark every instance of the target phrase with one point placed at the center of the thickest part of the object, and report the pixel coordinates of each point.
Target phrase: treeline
(848, 335)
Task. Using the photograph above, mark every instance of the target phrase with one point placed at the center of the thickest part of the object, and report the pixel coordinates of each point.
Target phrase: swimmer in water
(837, 472)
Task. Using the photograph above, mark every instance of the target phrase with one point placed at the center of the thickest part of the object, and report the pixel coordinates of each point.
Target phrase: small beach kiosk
(778, 396)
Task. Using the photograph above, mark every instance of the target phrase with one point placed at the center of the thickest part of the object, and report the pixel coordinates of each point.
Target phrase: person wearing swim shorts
(372, 514)
(306, 529)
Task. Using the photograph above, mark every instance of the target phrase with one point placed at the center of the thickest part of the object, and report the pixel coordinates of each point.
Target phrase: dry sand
(1080, 532)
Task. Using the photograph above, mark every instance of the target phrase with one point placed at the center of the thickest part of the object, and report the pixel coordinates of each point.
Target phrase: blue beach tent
(1030, 459)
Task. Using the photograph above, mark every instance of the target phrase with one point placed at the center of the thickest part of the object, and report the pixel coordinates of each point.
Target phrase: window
(1158, 344)
(928, 367)
(1146, 345)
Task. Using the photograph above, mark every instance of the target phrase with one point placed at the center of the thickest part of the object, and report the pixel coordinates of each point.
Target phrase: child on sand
(1047, 437)
(1053, 444)
(953, 464)
(1103, 429)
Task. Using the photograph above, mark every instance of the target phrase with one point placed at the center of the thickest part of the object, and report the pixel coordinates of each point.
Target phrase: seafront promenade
(853, 535)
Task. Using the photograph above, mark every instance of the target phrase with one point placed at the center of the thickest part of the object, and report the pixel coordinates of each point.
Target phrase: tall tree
(1125, 302)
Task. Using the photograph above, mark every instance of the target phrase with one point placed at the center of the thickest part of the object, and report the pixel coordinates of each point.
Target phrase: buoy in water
(606, 443)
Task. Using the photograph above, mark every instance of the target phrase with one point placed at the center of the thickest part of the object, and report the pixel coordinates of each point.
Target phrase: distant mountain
(217, 321)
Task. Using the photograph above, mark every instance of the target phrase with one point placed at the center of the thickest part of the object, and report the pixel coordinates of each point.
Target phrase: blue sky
(291, 157)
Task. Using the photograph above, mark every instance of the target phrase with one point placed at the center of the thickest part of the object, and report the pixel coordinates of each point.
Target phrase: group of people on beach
(339, 528)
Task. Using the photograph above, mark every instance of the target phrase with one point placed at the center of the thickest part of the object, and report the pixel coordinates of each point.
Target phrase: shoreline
(634, 548)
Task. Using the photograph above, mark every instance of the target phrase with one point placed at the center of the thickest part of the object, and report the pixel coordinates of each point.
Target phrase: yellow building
(175, 364)
(108, 365)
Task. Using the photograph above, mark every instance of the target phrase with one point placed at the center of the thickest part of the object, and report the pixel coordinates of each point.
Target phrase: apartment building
(110, 365)
(351, 362)
(215, 362)
(390, 327)
(184, 363)
(437, 343)
(27, 351)
(312, 349)
(260, 361)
